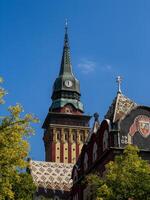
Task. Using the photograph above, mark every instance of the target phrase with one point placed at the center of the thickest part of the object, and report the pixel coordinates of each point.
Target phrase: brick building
(125, 123)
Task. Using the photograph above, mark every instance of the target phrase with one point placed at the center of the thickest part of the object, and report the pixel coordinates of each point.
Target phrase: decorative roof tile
(48, 175)
(120, 106)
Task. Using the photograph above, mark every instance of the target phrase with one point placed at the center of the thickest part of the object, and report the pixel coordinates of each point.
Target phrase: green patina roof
(66, 70)
(66, 67)
(66, 74)
(62, 102)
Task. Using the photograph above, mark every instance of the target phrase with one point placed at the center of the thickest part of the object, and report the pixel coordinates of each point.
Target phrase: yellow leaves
(105, 190)
(15, 110)
(2, 92)
(14, 148)
(28, 117)
(127, 176)
(131, 150)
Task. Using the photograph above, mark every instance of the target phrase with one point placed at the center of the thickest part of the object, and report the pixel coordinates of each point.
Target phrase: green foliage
(14, 131)
(24, 188)
(2, 92)
(126, 177)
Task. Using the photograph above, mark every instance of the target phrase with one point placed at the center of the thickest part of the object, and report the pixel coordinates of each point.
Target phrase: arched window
(66, 135)
(82, 136)
(105, 140)
(56, 198)
(85, 161)
(74, 136)
(94, 152)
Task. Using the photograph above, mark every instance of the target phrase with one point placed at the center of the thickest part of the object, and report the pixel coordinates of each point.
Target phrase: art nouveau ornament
(141, 124)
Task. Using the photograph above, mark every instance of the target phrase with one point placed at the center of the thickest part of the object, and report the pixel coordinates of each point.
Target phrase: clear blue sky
(107, 38)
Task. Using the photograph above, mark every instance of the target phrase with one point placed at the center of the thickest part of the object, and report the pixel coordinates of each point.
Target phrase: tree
(24, 188)
(127, 177)
(14, 131)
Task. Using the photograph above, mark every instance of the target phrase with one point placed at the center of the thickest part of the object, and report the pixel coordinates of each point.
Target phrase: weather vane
(119, 81)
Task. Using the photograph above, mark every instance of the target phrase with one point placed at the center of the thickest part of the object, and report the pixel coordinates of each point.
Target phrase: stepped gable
(51, 175)
(120, 106)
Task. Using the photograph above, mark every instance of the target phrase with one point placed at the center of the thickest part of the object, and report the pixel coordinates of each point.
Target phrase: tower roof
(120, 106)
(66, 61)
(65, 73)
(66, 88)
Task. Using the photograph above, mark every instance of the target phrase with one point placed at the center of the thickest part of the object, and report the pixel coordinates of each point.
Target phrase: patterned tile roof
(120, 106)
(51, 175)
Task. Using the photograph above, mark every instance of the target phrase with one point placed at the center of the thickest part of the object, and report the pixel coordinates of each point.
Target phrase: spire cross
(119, 81)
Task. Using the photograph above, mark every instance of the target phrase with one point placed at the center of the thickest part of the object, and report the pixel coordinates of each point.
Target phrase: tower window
(58, 135)
(67, 110)
(74, 136)
(66, 136)
(82, 136)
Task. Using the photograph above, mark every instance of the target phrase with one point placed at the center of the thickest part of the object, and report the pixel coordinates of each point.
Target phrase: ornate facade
(125, 123)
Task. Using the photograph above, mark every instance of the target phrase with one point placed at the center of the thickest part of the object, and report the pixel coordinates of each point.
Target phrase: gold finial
(119, 81)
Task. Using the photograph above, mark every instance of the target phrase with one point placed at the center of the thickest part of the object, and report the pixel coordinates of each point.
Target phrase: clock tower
(66, 127)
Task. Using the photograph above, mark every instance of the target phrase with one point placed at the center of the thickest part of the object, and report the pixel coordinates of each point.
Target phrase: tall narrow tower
(65, 127)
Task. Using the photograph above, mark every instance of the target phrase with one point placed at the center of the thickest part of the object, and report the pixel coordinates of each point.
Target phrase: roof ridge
(120, 106)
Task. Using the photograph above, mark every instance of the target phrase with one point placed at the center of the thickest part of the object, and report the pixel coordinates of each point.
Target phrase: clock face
(68, 83)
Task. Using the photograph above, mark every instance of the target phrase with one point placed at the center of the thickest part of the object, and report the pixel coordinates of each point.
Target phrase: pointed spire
(119, 81)
(65, 61)
(66, 25)
(66, 42)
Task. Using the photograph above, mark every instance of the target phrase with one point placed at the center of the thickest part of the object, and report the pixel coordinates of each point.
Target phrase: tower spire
(66, 88)
(66, 61)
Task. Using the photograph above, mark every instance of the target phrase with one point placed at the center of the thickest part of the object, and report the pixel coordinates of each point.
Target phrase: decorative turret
(66, 88)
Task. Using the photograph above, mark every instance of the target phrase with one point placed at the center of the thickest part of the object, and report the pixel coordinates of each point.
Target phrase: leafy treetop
(127, 177)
